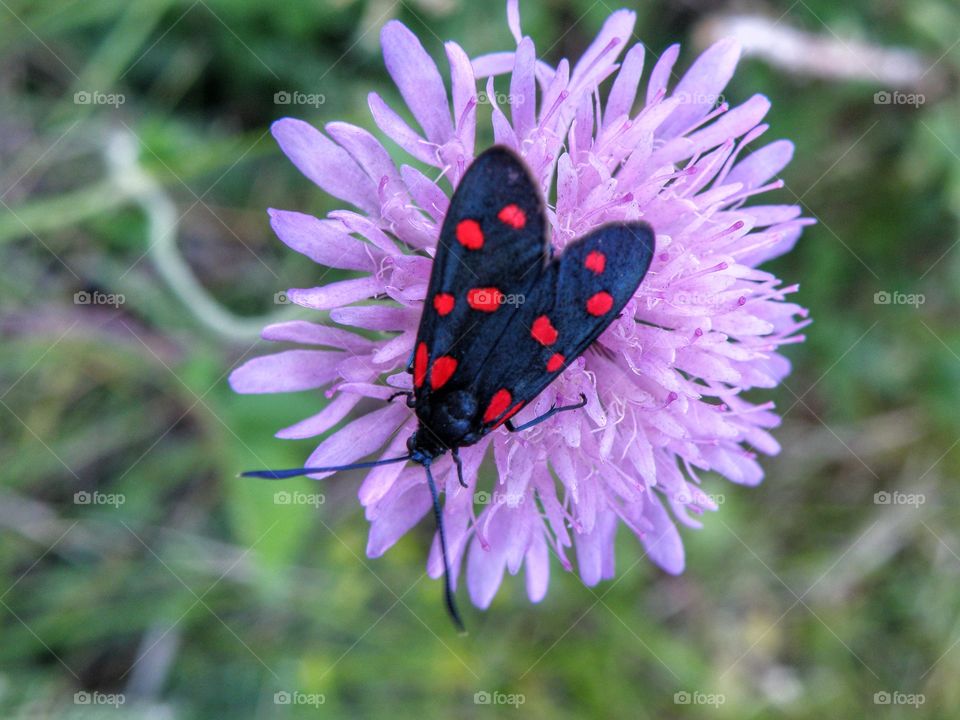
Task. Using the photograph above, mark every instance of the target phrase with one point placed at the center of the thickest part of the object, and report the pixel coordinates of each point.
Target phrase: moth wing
(582, 292)
(492, 247)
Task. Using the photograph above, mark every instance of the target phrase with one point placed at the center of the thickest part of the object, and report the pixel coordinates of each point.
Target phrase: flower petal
(325, 163)
(418, 80)
(323, 241)
(286, 371)
(335, 294)
(357, 439)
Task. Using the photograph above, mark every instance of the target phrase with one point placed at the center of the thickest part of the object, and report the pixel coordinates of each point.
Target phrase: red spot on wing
(513, 216)
(543, 331)
(498, 404)
(442, 370)
(484, 299)
(595, 261)
(443, 303)
(510, 413)
(555, 362)
(600, 303)
(469, 234)
(420, 365)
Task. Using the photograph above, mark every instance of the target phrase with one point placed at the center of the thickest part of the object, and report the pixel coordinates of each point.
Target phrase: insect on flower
(663, 365)
(477, 362)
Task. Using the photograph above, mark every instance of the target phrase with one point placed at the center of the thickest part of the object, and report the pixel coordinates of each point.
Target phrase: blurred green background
(194, 595)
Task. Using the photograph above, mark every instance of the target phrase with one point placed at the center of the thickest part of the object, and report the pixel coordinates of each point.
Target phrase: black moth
(503, 316)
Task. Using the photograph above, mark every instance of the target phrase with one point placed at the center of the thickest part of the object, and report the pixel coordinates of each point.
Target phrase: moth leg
(405, 393)
(547, 415)
(456, 458)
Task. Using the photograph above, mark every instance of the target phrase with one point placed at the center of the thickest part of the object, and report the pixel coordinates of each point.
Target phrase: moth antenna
(447, 589)
(296, 472)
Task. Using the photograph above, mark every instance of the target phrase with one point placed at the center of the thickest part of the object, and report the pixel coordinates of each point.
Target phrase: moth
(503, 316)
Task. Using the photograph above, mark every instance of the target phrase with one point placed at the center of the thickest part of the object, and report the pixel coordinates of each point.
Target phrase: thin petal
(335, 294)
(325, 163)
(418, 80)
(323, 241)
(286, 371)
(357, 439)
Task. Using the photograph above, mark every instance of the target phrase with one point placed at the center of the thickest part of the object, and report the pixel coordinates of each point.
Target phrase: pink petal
(595, 550)
(418, 80)
(357, 439)
(308, 333)
(660, 75)
(624, 90)
(761, 165)
(335, 294)
(523, 89)
(286, 371)
(699, 89)
(325, 163)
(366, 150)
(425, 193)
(663, 544)
(323, 241)
(397, 515)
(538, 567)
(464, 92)
(334, 412)
(485, 566)
(394, 127)
(376, 317)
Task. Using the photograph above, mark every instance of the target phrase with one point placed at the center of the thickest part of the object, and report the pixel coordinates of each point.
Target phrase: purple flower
(664, 383)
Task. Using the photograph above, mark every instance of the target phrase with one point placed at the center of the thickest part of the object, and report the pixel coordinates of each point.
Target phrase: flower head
(665, 381)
